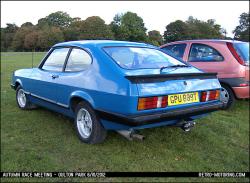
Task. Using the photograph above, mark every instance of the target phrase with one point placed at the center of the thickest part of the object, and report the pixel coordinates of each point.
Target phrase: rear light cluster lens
(244, 84)
(152, 102)
(210, 95)
(162, 101)
(235, 54)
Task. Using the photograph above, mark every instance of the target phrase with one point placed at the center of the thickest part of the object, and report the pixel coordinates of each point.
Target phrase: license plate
(184, 98)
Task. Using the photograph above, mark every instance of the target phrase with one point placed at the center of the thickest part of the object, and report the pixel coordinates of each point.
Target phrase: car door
(75, 75)
(43, 79)
(206, 57)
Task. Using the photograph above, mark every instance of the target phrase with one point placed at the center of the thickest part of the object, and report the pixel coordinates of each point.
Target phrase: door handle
(54, 76)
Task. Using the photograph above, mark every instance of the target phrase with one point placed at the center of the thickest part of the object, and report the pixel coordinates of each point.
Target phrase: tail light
(152, 102)
(244, 84)
(210, 95)
(235, 54)
(145, 103)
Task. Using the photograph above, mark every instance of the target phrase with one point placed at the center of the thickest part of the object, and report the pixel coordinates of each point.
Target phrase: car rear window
(140, 58)
(243, 51)
(176, 49)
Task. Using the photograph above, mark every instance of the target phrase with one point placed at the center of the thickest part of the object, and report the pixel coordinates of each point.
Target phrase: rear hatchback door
(178, 88)
(156, 74)
(242, 49)
(176, 83)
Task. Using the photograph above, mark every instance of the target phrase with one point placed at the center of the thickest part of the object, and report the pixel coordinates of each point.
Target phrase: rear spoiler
(165, 77)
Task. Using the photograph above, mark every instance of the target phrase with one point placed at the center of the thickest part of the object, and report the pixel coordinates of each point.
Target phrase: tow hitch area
(130, 134)
(187, 125)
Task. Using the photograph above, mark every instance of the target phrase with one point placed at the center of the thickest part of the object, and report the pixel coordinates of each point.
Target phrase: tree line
(59, 27)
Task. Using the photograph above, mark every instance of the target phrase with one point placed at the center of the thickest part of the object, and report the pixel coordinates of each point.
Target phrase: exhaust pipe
(130, 135)
(187, 125)
(137, 136)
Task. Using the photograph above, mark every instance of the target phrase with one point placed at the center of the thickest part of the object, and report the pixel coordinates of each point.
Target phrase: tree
(42, 40)
(193, 29)
(47, 37)
(204, 29)
(27, 24)
(94, 28)
(3, 43)
(57, 19)
(72, 32)
(11, 28)
(7, 35)
(42, 22)
(31, 40)
(18, 40)
(241, 32)
(155, 37)
(129, 26)
(176, 31)
(115, 26)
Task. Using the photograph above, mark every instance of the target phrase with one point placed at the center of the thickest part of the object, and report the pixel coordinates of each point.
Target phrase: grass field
(40, 140)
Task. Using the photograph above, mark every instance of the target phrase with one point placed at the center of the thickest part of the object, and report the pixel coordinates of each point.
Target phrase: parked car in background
(228, 58)
(116, 85)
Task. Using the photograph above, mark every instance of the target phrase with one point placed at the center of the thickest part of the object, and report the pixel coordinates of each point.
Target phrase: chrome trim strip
(48, 100)
(28, 93)
(63, 105)
(37, 96)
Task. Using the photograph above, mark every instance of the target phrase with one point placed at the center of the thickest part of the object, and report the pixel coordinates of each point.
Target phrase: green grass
(40, 140)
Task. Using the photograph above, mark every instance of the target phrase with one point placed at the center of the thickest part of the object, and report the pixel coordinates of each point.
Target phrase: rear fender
(84, 96)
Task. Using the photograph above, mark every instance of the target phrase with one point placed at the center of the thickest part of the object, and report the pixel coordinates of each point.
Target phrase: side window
(176, 50)
(204, 53)
(56, 60)
(78, 60)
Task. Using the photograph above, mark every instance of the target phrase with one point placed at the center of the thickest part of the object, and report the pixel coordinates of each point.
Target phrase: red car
(228, 58)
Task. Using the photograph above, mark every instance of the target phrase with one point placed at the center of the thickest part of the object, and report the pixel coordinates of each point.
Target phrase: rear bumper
(184, 113)
(241, 92)
(234, 82)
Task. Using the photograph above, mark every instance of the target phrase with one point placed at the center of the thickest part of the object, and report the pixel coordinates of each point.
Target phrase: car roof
(102, 43)
(205, 40)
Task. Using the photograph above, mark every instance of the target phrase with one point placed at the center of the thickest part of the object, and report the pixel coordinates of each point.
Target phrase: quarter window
(78, 60)
(56, 60)
(204, 53)
(176, 50)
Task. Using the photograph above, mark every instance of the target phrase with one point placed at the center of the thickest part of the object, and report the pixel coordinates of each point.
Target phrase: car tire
(88, 126)
(227, 96)
(22, 100)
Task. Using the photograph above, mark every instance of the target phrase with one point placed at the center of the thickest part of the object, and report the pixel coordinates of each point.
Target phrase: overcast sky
(156, 15)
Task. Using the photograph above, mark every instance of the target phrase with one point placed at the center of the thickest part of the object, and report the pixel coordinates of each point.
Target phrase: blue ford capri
(116, 85)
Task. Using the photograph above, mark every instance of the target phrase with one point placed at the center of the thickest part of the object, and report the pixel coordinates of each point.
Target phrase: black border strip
(123, 174)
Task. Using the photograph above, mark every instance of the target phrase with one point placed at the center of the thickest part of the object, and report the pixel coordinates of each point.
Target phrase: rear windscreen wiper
(173, 66)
